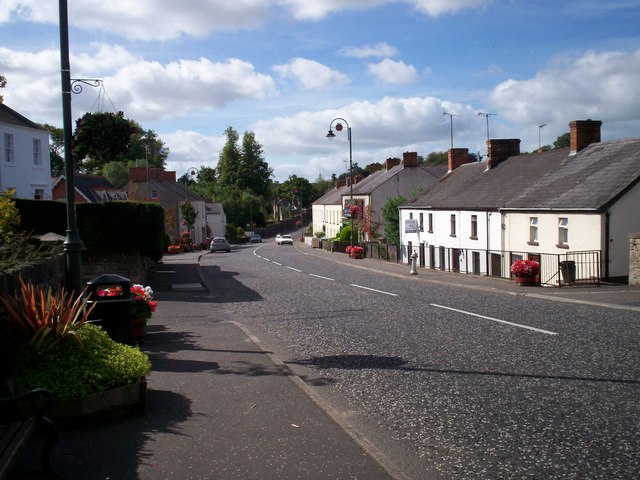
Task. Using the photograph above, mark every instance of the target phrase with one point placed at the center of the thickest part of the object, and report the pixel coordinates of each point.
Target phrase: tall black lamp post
(72, 243)
(331, 136)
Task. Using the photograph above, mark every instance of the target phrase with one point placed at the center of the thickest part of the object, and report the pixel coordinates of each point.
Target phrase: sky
(405, 75)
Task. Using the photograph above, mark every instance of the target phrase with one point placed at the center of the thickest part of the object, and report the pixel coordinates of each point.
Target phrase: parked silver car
(219, 244)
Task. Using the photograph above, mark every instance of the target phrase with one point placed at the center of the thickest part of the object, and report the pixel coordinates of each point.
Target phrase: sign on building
(411, 225)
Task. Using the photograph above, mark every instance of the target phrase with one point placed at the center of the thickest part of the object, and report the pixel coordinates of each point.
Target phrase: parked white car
(284, 239)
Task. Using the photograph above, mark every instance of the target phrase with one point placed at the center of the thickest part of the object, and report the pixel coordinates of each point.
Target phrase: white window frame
(533, 230)
(563, 231)
(37, 152)
(453, 225)
(8, 148)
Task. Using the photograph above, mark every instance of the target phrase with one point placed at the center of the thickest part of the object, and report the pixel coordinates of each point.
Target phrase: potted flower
(142, 307)
(526, 272)
(356, 252)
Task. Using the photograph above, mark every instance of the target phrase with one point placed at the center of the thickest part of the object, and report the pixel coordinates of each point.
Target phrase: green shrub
(70, 370)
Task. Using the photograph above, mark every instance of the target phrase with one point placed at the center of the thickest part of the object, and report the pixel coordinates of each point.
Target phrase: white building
(564, 205)
(25, 164)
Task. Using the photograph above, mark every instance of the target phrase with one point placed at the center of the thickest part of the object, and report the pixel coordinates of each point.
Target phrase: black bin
(568, 270)
(111, 295)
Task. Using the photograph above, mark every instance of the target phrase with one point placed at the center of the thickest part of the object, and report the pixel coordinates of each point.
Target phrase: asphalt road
(449, 382)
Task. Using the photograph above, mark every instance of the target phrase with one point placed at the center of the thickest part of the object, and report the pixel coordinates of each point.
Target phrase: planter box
(110, 403)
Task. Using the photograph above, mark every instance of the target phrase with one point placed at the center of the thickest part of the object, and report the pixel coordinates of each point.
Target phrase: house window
(154, 194)
(422, 222)
(37, 156)
(563, 232)
(453, 225)
(474, 227)
(410, 215)
(431, 223)
(533, 231)
(8, 147)
(38, 194)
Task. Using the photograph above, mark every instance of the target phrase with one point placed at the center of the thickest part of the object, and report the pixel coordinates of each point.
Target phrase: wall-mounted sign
(411, 225)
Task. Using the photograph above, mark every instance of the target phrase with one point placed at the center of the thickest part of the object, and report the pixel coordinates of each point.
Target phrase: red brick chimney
(340, 183)
(499, 150)
(142, 174)
(584, 133)
(374, 167)
(457, 157)
(410, 159)
(392, 162)
(357, 179)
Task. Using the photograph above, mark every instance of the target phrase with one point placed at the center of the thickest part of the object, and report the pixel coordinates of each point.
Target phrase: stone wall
(634, 259)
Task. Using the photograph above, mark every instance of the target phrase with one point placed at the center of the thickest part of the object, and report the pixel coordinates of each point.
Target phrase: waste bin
(111, 295)
(568, 270)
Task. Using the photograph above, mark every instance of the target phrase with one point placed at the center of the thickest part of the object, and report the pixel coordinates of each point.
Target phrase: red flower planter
(526, 281)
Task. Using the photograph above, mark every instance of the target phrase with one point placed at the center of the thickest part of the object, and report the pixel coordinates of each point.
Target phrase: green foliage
(254, 173)
(345, 234)
(70, 370)
(56, 149)
(25, 250)
(117, 173)
(9, 216)
(229, 160)
(437, 158)
(391, 219)
(100, 138)
(189, 214)
(563, 141)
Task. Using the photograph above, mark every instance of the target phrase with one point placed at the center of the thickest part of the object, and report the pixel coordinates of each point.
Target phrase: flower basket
(356, 252)
(142, 307)
(526, 272)
(173, 249)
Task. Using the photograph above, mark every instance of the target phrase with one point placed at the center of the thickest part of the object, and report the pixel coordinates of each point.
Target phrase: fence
(571, 268)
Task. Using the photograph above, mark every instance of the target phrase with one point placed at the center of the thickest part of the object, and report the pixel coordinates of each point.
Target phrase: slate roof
(589, 180)
(376, 179)
(8, 115)
(333, 196)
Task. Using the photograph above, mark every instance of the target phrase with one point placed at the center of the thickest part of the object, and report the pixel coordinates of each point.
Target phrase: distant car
(284, 239)
(255, 238)
(219, 244)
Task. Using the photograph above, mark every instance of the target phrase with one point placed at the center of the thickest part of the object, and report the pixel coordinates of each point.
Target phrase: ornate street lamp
(331, 136)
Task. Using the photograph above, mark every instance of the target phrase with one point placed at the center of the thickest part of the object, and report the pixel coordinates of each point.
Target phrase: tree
(229, 160)
(437, 158)
(563, 141)
(253, 172)
(146, 147)
(56, 149)
(117, 173)
(320, 186)
(101, 138)
(391, 219)
(3, 83)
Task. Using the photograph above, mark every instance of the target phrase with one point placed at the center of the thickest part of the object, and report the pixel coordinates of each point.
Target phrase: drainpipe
(607, 233)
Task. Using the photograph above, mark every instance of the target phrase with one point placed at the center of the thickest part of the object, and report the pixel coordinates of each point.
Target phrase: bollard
(414, 257)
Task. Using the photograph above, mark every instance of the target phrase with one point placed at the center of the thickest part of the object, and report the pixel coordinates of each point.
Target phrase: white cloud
(439, 7)
(191, 149)
(601, 86)
(392, 71)
(310, 74)
(381, 50)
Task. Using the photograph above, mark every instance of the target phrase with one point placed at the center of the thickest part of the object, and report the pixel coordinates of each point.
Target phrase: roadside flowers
(525, 268)
(142, 303)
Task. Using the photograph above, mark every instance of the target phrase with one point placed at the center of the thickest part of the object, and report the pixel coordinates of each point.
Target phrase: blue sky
(285, 68)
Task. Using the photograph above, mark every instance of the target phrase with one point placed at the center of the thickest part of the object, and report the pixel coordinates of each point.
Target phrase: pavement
(220, 405)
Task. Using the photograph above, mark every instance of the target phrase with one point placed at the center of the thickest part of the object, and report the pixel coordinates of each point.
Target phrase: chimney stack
(357, 179)
(340, 183)
(499, 150)
(410, 159)
(584, 133)
(457, 157)
(392, 162)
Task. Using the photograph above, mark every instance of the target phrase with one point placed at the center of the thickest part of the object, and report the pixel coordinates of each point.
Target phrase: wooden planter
(137, 330)
(110, 403)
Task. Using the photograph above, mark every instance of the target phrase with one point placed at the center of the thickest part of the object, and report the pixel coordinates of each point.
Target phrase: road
(449, 382)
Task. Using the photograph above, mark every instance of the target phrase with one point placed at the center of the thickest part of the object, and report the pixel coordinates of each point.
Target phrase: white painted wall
(22, 174)
(327, 216)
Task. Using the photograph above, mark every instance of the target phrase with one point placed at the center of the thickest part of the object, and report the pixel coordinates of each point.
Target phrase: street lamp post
(72, 244)
(331, 136)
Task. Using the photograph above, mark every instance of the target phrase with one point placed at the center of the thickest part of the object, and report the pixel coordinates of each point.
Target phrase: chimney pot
(410, 159)
(457, 157)
(499, 149)
(392, 162)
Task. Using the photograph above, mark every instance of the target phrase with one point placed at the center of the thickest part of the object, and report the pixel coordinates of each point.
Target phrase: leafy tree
(320, 186)
(145, 146)
(3, 83)
(391, 219)
(437, 158)
(9, 216)
(101, 138)
(563, 141)
(56, 149)
(117, 173)
(373, 167)
(189, 214)
(229, 160)
(253, 173)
